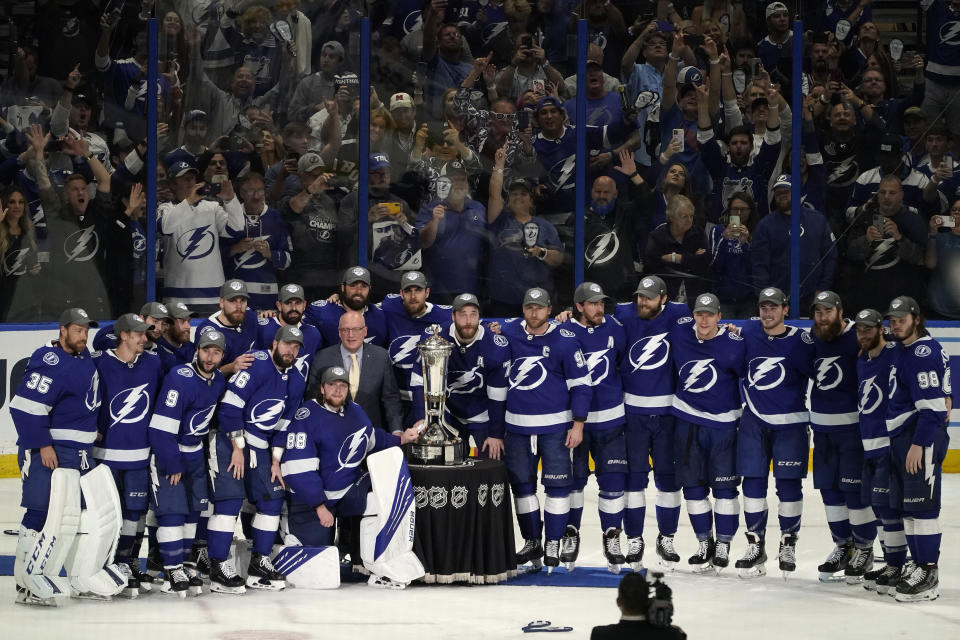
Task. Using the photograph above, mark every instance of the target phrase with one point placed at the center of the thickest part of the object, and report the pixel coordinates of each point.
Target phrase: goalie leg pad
(43, 563)
(309, 567)
(99, 531)
(386, 539)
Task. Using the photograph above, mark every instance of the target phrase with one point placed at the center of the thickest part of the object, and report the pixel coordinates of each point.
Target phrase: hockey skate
(200, 559)
(145, 579)
(531, 552)
(860, 562)
(570, 547)
(175, 581)
(835, 563)
(753, 562)
(132, 590)
(635, 548)
(196, 581)
(702, 560)
(383, 582)
(666, 552)
(788, 554)
(27, 597)
(224, 578)
(721, 555)
(923, 583)
(551, 555)
(611, 550)
(262, 575)
(880, 580)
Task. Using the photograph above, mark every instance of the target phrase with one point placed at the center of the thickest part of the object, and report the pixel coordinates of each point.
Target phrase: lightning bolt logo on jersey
(354, 449)
(527, 373)
(919, 386)
(834, 398)
(81, 245)
(602, 249)
(698, 376)
(129, 390)
(764, 374)
(708, 376)
(778, 372)
(829, 373)
(196, 243)
(129, 406)
(649, 353)
(603, 350)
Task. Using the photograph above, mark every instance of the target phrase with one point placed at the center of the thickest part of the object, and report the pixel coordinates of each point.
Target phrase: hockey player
(476, 379)
(408, 315)
(254, 413)
(917, 415)
(129, 381)
(709, 361)
(55, 415)
(773, 427)
(649, 384)
(290, 307)
(602, 344)
(327, 445)
(837, 449)
(354, 295)
(877, 357)
(238, 323)
(548, 399)
(178, 466)
(174, 346)
(154, 314)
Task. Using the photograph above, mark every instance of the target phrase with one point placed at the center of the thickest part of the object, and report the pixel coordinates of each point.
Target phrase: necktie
(354, 375)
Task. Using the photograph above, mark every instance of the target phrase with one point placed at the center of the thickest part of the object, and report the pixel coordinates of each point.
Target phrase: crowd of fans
(473, 158)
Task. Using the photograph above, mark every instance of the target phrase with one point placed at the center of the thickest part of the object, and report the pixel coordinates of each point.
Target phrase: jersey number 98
(296, 440)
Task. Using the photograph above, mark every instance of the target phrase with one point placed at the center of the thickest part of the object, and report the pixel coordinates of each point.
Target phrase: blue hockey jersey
(943, 46)
(833, 395)
(261, 400)
(171, 356)
(326, 318)
(404, 334)
(182, 416)
(259, 272)
(873, 375)
(239, 339)
(312, 342)
(602, 348)
(779, 369)
(548, 383)
(57, 400)
(325, 451)
(647, 371)
(708, 376)
(476, 381)
(919, 386)
(129, 391)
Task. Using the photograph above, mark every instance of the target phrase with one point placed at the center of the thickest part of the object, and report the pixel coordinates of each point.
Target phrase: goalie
(327, 443)
(55, 414)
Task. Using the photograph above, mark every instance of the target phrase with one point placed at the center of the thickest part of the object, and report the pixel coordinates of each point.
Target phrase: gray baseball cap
(827, 299)
(292, 292)
(869, 317)
(774, 295)
(651, 287)
(333, 374)
(289, 333)
(902, 306)
(356, 274)
(536, 295)
(233, 289)
(310, 161)
(130, 322)
(76, 315)
(464, 299)
(413, 279)
(156, 310)
(212, 339)
(179, 310)
(707, 302)
(589, 292)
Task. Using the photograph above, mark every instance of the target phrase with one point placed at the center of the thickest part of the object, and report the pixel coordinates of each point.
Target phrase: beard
(291, 317)
(355, 303)
(282, 361)
(829, 332)
(468, 331)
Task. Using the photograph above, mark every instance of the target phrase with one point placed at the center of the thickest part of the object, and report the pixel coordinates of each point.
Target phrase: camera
(660, 608)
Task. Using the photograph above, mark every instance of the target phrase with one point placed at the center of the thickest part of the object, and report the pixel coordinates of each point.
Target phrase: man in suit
(372, 383)
(633, 598)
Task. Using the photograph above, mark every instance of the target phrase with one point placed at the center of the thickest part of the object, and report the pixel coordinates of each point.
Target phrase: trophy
(438, 442)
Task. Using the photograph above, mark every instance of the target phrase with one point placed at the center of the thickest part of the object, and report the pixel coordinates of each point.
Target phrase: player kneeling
(327, 443)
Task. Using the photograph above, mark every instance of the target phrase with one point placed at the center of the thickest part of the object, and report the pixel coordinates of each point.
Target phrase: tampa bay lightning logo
(698, 375)
(15, 262)
(81, 245)
(464, 382)
(829, 373)
(527, 373)
(130, 405)
(139, 242)
(354, 449)
(649, 353)
(51, 358)
(765, 373)
(251, 258)
(871, 395)
(950, 34)
(602, 249)
(412, 22)
(200, 421)
(402, 348)
(92, 399)
(196, 243)
(266, 413)
(598, 364)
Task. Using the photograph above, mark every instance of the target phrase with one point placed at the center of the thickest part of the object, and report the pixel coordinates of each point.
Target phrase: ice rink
(710, 606)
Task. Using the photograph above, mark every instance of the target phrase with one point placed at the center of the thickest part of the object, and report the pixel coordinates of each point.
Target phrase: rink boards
(17, 342)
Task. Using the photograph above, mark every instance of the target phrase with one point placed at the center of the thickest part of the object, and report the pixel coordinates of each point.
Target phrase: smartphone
(293, 155)
(523, 119)
(836, 76)
(878, 223)
(680, 135)
(735, 220)
(539, 86)
(693, 40)
(756, 67)
(947, 222)
(526, 41)
(393, 208)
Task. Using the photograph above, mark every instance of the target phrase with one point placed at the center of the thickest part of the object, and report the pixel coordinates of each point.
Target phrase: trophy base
(445, 453)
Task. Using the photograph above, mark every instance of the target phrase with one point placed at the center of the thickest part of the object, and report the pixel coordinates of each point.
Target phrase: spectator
(25, 83)
(606, 27)
(281, 178)
(770, 252)
(18, 252)
(914, 131)
(937, 143)
(528, 69)
(126, 251)
(74, 111)
(943, 251)
(674, 180)
(647, 78)
(194, 140)
(594, 55)
(854, 59)
(604, 108)
(447, 65)
(314, 90)
(725, 13)
(524, 248)
(400, 143)
(943, 72)
(381, 126)
(729, 244)
(779, 40)
(677, 252)
(444, 149)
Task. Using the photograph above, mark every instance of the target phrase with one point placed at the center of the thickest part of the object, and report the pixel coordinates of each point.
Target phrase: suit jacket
(377, 393)
(632, 629)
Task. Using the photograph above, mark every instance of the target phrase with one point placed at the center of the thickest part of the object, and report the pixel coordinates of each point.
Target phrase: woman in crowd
(730, 257)
(18, 256)
(677, 252)
(943, 259)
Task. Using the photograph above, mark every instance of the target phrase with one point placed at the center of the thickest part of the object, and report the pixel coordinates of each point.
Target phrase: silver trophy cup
(438, 442)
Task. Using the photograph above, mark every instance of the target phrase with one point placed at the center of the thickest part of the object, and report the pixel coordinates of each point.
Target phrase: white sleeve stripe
(936, 404)
(30, 406)
(497, 393)
(233, 400)
(165, 424)
(306, 465)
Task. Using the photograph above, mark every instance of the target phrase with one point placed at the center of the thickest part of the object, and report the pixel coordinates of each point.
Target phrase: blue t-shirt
(511, 271)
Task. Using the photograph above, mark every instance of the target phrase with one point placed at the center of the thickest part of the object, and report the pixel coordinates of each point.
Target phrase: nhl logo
(51, 358)
(235, 285)
(595, 288)
(421, 498)
(705, 300)
(482, 494)
(647, 283)
(458, 496)
(214, 335)
(180, 306)
(412, 275)
(291, 288)
(295, 332)
(496, 495)
(337, 371)
(162, 308)
(357, 271)
(534, 294)
(863, 314)
(81, 313)
(438, 497)
(768, 292)
(895, 304)
(822, 295)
